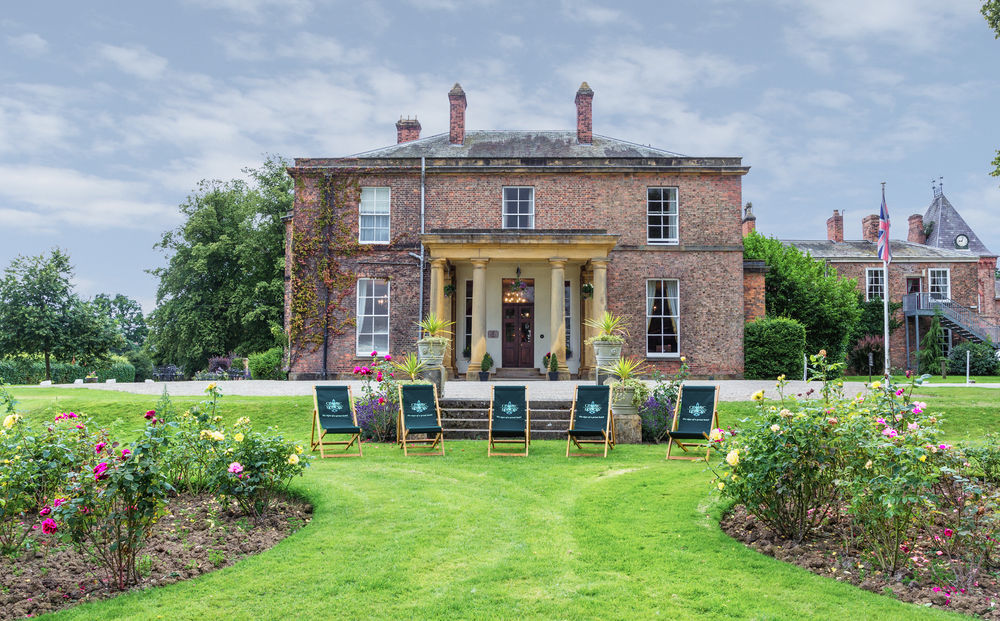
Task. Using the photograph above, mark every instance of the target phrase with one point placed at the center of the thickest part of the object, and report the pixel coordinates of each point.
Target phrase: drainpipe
(326, 307)
(423, 182)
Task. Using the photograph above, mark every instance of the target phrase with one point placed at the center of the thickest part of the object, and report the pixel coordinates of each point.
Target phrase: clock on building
(962, 241)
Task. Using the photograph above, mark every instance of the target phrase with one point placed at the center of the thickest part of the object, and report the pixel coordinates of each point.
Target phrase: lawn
(934, 379)
(462, 536)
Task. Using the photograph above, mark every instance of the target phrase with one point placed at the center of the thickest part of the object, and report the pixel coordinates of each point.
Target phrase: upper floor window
(939, 284)
(874, 284)
(374, 216)
(373, 316)
(519, 208)
(662, 317)
(661, 215)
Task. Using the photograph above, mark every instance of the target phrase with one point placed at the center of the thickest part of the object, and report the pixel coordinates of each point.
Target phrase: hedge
(983, 360)
(772, 347)
(267, 365)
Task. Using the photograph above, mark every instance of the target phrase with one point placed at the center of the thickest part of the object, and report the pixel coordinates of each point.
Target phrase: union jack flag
(884, 252)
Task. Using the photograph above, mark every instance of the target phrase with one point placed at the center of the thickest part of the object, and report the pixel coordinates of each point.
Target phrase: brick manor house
(517, 237)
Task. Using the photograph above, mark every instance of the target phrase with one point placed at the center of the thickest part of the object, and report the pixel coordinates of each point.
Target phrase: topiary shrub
(983, 360)
(119, 371)
(267, 365)
(773, 347)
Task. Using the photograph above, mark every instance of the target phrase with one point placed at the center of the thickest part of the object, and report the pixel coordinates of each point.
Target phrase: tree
(40, 314)
(223, 288)
(991, 11)
(931, 352)
(800, 288)
(127, 315)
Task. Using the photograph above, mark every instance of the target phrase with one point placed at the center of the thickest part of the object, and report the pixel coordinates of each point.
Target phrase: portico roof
(518, 245)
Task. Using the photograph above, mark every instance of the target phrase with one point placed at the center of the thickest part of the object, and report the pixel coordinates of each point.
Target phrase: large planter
(553, 376)
(431, 352)
(628, 424)
(484, 376)
(606, 352)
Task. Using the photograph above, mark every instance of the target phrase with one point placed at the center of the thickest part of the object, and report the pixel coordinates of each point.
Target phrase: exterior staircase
(966, 322)
(469, 419)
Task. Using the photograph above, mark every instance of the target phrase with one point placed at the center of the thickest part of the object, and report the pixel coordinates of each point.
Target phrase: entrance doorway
(518, 344)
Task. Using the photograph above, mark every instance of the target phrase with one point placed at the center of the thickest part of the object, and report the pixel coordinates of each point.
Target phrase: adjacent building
(518, 237)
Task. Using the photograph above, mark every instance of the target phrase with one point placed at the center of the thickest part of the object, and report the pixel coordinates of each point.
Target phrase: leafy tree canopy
(127, 315)
(991, 11)
(222, 290)
(801, 288)
(41, 315)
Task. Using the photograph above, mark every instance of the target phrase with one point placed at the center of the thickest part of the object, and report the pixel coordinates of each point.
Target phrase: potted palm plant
(628, 394)
(410, 365)
(485, 366)
(434, 340)
(610, 337)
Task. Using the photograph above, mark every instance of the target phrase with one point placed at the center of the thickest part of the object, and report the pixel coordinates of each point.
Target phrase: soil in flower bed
(195, 537)
(826, 555)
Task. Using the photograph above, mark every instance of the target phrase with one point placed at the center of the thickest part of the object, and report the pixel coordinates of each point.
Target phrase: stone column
(437, 286)
(598, 303)
(557, 315)
(478, 317)
(587, 362)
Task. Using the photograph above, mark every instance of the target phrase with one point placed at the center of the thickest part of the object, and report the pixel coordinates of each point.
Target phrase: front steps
(469, 419)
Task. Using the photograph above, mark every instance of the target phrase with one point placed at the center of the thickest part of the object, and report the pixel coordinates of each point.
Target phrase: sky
(112, 112)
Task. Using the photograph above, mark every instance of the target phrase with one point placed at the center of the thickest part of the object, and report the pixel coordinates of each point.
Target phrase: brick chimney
(456, 97)
(584, 114)
(835, 227)
(869, 228)
(916, 233)
(749, 220)
(407, 130)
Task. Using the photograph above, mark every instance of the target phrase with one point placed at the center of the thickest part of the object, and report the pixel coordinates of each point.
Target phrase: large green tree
(127, 315)
(41, 315)
(222, 290)
(991, 11)
(801, 288)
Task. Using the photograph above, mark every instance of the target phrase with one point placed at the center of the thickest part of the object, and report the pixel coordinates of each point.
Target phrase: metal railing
(979, 327)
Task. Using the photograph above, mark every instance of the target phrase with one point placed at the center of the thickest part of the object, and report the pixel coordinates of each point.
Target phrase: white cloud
(306, 47)
(258, 11)
(134, 60)
(581, 10)
(49, 197)
(29, 44)
(510, 41)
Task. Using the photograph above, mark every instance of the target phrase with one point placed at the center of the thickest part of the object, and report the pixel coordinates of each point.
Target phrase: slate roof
(865, 251)
(947, 223)
(509, 143)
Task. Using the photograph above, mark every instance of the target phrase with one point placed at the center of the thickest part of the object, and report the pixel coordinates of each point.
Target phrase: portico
(517, 295)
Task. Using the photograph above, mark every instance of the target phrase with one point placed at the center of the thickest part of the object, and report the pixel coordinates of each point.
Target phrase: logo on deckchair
(509, 408)
(419, 406)
(592, 408)
(334, 406)
(696, 410)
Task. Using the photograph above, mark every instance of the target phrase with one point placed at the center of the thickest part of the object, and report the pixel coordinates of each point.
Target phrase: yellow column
(587, 362)
(598, 303)
(557, 315)
(437, 286)
(478, 317)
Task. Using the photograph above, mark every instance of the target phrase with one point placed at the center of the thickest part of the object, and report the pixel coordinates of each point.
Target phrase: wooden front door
(518, 335)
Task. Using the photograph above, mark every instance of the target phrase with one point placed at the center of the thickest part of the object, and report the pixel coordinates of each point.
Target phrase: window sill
(659, 356)
(675, 242)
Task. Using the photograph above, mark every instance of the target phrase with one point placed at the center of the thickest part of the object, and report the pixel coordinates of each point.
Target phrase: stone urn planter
(628, 424)
(607, 352)
(431, 351)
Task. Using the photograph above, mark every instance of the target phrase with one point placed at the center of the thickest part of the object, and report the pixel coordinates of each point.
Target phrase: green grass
(462, 536)
(934, 379)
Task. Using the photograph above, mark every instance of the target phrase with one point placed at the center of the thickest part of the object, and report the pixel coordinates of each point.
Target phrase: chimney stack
(835, 227)
(749, 220)
(456, 97)
(869, 228)
(584, 114)
(407, 130)
(916, 233)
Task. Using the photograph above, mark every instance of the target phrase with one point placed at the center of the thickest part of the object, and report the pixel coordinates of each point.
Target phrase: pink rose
(99, 446)
(235, 467)
(381, 400)
(49, 526)
(374, 354)
(388, 358)
(45, 511)
(948, 532)
(357, 370)
(100, 471)
(913, 426)
(900, 392)
(880, 421)
(150, 414)
(889, 432)
(125, 454)
(59, 501)
(378, 378)
(80, 427)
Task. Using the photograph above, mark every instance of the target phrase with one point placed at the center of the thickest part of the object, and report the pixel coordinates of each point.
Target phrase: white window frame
(376, 207)
(661, 214)
(503, 207)
(568, 315)
(360, 316)
(947, 341)
(930, 283)
(869, 272)
(677, 319)
(467, 325)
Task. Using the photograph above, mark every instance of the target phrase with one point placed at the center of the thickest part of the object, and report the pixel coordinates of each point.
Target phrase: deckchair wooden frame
(491, 450)
(697, 443)
(608, 433)
(321, 443)
(402, 433)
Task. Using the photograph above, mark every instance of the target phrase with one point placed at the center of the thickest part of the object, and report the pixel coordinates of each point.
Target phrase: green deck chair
(510, 420)
(419, 414)
(695, 416)
(590, 421)
(334, 414)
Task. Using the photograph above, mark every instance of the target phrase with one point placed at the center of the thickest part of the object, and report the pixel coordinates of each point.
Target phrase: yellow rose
(775, 428)
(10, 421)
(210, 386)
(238, 437)
(868, 465)
(876, 385)
(721, 486)
(298, 450)
(293, 459)
(733, 457)
(758, 396)
(715, 436)
(923, 458)
(683, 358)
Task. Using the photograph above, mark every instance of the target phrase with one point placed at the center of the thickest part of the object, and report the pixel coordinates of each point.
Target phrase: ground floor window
(874, 284)
(373, 316)
(662, 317)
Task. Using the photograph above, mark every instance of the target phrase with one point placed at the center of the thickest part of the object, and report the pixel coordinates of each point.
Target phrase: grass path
(463, 537)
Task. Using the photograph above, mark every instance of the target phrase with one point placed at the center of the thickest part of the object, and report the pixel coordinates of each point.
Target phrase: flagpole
(885, 298)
